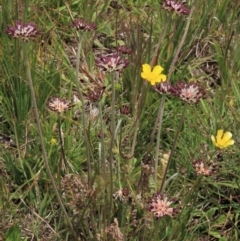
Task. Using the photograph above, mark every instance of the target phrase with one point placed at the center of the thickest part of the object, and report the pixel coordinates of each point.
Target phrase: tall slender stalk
(112, 127)
(173, 147)
(63, 156)
(88, 150)
(144, 89)
(44, 153)
(162, 104)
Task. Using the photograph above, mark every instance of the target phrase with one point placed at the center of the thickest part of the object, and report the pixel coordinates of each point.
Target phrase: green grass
(65, 185)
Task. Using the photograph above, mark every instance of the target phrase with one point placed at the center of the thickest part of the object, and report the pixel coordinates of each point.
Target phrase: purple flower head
(95, 94)
(23, 31)
(81, 24)
(124, 50)
(188, 92)
(111, 62)
(177, 7)
(162, 88)
(160, 205)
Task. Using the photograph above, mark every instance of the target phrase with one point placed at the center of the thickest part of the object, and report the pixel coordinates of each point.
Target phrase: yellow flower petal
(146, 68)
(227, 136)
(213, 139)
(157, 70)
(163, 77)
(219, 135)
(222, 139)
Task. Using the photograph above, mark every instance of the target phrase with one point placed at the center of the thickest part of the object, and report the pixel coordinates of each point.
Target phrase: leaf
(13, 233)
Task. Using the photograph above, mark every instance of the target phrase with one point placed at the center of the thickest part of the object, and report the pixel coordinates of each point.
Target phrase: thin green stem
(144, 89)
(63, 156)
(173, 147)
(83, 108)
(44, 153)
(112, 127)
(158, 122)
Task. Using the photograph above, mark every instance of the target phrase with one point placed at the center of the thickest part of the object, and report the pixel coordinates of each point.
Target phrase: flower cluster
(176, 7)
(222, 140)
(201, 168)
(188, 92)
(58, 105)
(124, 50)
(25, 31)
(122, 194)
(162, 88)
(81, 24)
(95, 94)
(111, 62)
(160, 205)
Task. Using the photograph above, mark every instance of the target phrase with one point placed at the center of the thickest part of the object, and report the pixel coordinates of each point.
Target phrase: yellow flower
(53, 141)
(222, 140)
(153, 76)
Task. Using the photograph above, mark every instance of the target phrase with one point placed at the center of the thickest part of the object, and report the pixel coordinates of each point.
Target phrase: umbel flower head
(111, 62)
(177, 7)
(81, 24)
(153, 76)
(58, 105)
(163, 88)
(124, 50)
(95, 94)
(201, 168)
(160, 205)
(188, 92)
(25, 31)
(222, 140)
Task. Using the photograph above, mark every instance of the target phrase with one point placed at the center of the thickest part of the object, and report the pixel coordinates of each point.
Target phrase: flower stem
(173, 148)
(88, 150)
(144, 89)
(63, 156)
(112, 127)
(44, 153)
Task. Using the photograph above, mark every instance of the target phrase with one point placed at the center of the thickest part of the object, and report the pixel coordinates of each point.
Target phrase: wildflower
(172, 5)
(153, 76)
(124, 50)
(95, 94)
(200, 168)
(81, 24)
(23, 31)
(163, 88)
(125, 110)
(222, 140)
(53, 141)
(188, 92)
(111, 62)
(160, 206)
(121, 194)
(112, 232)
(58, 105)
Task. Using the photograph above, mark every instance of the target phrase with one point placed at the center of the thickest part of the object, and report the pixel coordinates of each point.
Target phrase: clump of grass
(119, 122)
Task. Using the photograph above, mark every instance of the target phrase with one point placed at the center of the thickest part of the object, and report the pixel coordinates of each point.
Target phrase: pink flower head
(95, 94)
(178, 7)
(23, 31)
(201, 168)
(188, 92)
(160, 205)
(162, 88)
(81, 24)
(124, 50)
(58, 105)
(111, 62)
